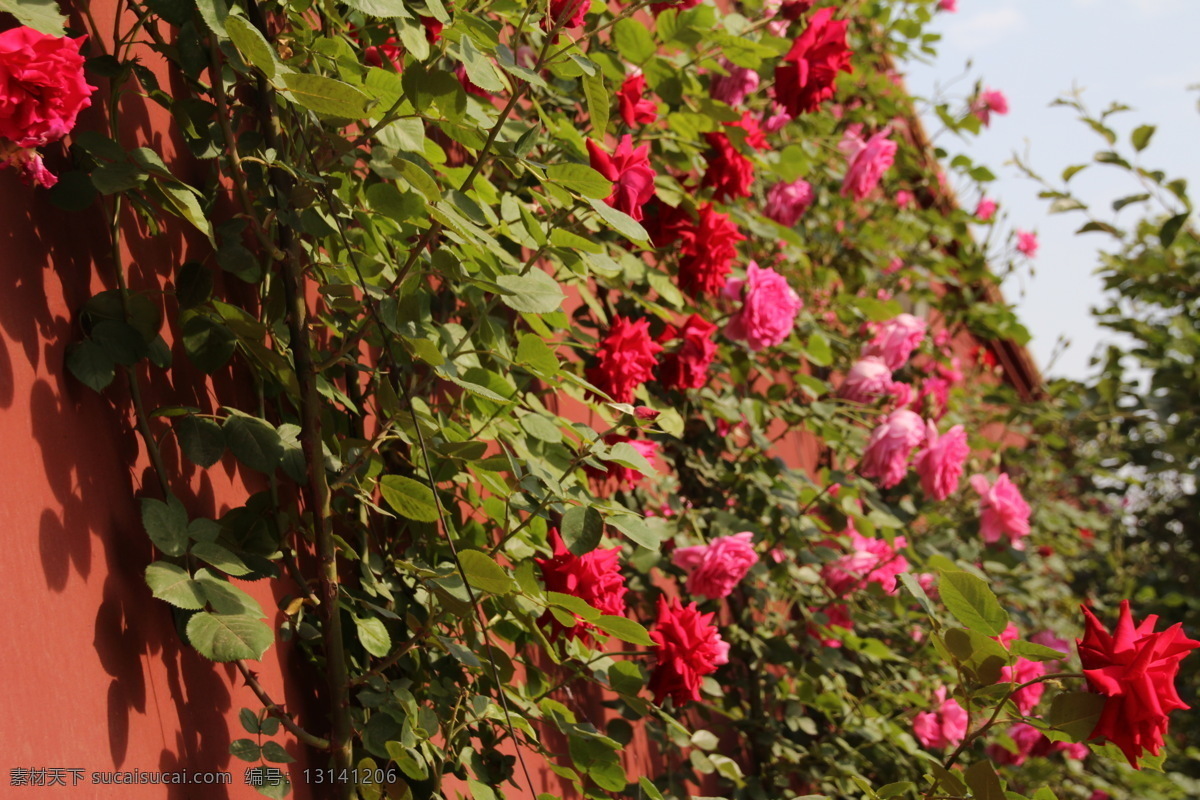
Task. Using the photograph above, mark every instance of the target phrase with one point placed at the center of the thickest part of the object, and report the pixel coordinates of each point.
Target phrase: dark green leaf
(484, 573)
(200, 439)
(254, 442)
(224, 637)
(582, 527)
(409, 498)
(166, 524)
(972, 603)
(174, 584)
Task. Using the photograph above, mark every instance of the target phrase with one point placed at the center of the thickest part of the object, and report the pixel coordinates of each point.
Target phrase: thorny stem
(277, 712)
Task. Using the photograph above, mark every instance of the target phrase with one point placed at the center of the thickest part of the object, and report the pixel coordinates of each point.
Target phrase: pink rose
(905, 199)
(948, 5)
(786, 202)
(630, 172)
(1002, 511)
(868, 379)
(733, 88)
(866, 161)
(636, 108)
(769, 308)
(896, 339)
(988, 101)
(42, 87)
(940, 462)
(714, 569)
(890, 445)
(1024, 671)
(1027, 243)
(777, 118)
(871, 561)
(985, 210)
(944, 727)
(28, 162)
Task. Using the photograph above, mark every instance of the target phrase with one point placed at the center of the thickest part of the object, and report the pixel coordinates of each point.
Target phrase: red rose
(679, 5)
(627, 358)
(594, 577)
(42, 88)
(729, 173)
(687, 367)
(630, 172)
(636, 109)
(805, 77)
(706, 247)
(1134, 668)
(689, 647)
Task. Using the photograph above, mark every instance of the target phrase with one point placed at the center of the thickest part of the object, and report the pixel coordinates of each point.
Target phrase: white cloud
(988, 27)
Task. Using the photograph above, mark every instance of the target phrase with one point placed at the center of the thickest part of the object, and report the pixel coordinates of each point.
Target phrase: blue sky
(1142, 53)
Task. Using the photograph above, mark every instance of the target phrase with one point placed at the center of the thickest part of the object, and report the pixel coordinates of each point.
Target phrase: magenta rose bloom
(1135, 669)
(940, 462)
(988, 102)
(948, 5)
(730, 174)
(1002, 511)
(687, 367)
(787, 202)
(868, 379)
(886, 457)
(985, 210)
(42, 87)
(1027, 243)
(689, 646)
(870, 561)
(594, 577)
(896, 339)
(636, 108)
(769, 308)
(866, 161)
(627, 358)
(805, 76)
(630, 172)
(946, 726)
(714, 569)
(734, 87)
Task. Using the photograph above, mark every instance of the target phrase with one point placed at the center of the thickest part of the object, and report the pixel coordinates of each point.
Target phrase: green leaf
(274, 752)
(166, 524)
(1035, 652)
(207, 342)
(245, 749)
(984, 782)
(479, 70)
(621, 222)
(1170, 229)
(596, 95)
(639, 530)
(624, 629)
(220, 557)
(972, 602)
(581, 178)
(633, 41)
(225, 598)
(582, 527)
(1076, 713)
(41, 15)
(91, 365)
(326, 95)
(200, 439)
(484, 573)
(409, 498)
(225, 637)
(627, 455)
(252, 44)
(214, 13)
(896, 789)
(576, 605)
(374, 636)
(380, 8)
(1141, 136)
(174, 585)
(818, 350)
(534, 351)
(254, 442)
(650, 789)
(534, 292)
(541, 428)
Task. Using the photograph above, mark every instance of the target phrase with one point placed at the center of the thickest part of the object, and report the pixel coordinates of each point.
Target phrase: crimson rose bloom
(687, 367)
(706, 251)
(627, 359)
(636, 108)
(42, 88)
(804, 78)
(729, 173)
(689, 647)
(566, 14)
(1135, 669)
(594, 577)
(630, 172)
